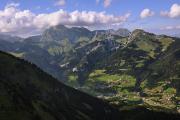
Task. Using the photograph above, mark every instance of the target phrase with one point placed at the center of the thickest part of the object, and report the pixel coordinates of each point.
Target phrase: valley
(127, 69)
(28, 93)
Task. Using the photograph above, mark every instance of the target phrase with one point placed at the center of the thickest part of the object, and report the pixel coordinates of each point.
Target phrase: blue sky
(159, 16)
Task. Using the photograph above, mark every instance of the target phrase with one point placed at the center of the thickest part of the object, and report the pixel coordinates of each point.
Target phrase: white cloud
(11, 19)
(60, 3)
(107, 3)
(20, 22)
(174, 11)
(146, 13)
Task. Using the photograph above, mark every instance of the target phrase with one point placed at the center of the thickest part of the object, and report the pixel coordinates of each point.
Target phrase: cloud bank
(20, 22)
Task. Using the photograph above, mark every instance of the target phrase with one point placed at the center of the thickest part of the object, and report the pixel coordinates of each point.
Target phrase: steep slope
(58, 46)
(139, 69)
(60, 32)
(31, 51)
(27, 93)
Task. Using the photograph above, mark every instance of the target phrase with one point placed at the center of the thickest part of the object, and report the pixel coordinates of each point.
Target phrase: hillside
(27, 93)
(56, 46)
(144, 72)
(127, 69)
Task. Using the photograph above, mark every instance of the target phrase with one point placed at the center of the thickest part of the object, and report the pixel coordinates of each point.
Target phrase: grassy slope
(145, 65)
(27, 93)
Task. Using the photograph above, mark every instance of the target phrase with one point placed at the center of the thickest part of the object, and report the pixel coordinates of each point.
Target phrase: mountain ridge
(125, 71)
(39, 94)
(41, 97)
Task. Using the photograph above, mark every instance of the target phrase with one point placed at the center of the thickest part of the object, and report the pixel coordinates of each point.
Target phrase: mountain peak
(140, 32)
(123, 32)
(61, 32)
(60, 26)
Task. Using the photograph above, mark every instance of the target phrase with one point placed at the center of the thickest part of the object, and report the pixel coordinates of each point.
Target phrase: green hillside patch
(72, 80)
(55, 50)
(159, 96)
(145, 45)
(170, 91)
(102, 83)
(165, 42)
(122, 80)
(100, 75)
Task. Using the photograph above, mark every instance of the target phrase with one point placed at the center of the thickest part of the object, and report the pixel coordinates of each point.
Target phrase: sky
(31, 17)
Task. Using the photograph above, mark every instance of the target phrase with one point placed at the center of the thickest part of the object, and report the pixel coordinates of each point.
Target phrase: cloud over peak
(146, 13)
(20, 22)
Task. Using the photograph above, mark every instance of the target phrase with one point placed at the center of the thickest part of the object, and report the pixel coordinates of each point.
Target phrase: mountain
(75, 34)
(10, 38)
(54, 48)
(60, 32)
(138, 69)
(32, 52)
(28, 93)
(143, 72)
(122, 32)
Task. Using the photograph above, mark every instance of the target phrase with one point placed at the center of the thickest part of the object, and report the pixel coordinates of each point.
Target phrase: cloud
(107, 3)
(11, 19)
(23, 22)
(12, 4)
(177, 27)
(174, 11)
(146, 13)
(60, 3)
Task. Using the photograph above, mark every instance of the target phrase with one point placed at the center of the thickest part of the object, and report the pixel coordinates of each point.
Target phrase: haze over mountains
(10, 38)
(126, 69)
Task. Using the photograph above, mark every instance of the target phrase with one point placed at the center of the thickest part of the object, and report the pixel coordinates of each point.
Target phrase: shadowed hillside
(27, 93)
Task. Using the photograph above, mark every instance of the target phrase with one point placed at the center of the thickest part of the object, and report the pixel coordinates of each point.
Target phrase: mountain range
(126, 69)
(28, 93)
